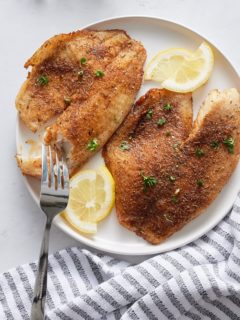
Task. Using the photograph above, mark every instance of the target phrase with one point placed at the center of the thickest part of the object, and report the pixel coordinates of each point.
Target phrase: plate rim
(89, 242)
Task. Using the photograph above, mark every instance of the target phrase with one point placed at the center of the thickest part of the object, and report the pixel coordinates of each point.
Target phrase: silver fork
(53, 199)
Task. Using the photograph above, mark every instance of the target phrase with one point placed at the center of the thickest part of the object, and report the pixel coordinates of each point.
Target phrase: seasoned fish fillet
(85, 108)
(84, 130)
(31, 166)
(162, 184)
(56, 78)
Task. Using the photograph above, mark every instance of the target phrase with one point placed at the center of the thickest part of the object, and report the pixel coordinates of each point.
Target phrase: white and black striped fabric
(198, 281)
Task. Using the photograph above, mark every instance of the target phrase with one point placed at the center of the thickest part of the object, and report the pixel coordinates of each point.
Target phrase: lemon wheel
(181, 70)
(165, 63)
(92, 196)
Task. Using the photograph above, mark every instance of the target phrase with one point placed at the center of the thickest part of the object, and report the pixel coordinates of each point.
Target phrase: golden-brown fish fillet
(59, 61)
(98, 117)
(97, 102)
(188, 175)
(30, 166)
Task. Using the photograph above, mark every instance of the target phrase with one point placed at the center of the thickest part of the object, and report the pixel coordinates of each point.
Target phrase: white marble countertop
(24, 26)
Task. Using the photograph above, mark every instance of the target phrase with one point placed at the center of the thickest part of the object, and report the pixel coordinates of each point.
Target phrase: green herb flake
(83, 60)
(42, 80)
(214, 144)
(124, 146)
(67, 101)
(229, 142)
(149, 114)
(148, 182)
(200, 183)
(99, 73)
(199, 152)
(172, 178)
(168, 107)
(80, 74)
(161, 121)
(92, 145)
(175, 199)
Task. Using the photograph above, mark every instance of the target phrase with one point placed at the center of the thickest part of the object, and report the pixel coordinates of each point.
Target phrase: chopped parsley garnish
(168, 133)
(67, 101)
(174, 199)
(42, 80)
(168, 107)
(92, 145)
(172, 178)
(149, 114)
(167, 217)
(214, 144)
(161, 121)
(80, 74)
(99, 73)
(83, 60)
(199, 152)
(229, 142)
(200, 183)
(148, 182)
(124, 146)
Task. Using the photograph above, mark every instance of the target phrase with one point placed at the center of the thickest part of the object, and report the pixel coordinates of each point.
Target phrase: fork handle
(40, 289)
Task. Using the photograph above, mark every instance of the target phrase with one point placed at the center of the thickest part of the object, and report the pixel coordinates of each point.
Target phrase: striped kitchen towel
(198, 281)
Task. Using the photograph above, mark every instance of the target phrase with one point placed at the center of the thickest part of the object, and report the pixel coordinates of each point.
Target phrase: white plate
(155, 34)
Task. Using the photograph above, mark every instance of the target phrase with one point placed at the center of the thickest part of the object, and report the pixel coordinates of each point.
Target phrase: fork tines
(54, 171)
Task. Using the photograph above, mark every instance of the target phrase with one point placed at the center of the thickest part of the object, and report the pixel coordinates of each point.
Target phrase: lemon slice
(165, 63)
(180, 70)
(92, 196)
